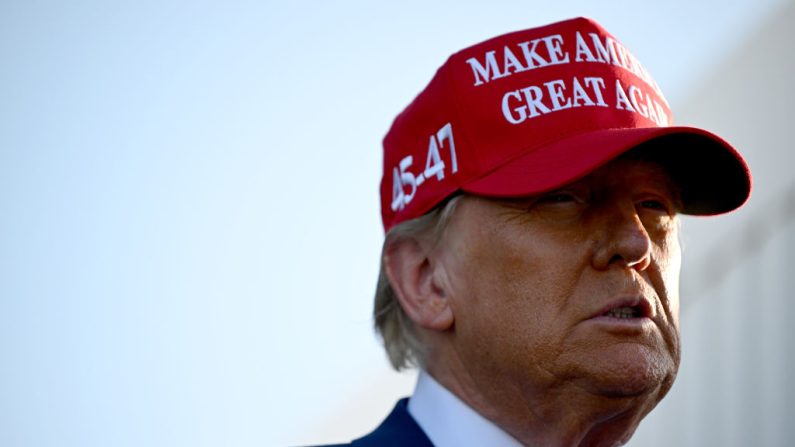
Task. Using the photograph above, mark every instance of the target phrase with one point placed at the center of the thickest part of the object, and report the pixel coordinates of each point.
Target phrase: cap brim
(713, 177)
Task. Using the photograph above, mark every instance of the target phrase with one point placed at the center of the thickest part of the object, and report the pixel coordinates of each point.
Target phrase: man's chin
(633, 371)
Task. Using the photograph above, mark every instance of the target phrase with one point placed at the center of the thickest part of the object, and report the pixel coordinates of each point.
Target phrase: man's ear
(417, 283)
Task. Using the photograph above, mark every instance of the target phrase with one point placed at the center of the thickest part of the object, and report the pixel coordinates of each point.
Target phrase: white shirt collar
(449, 422)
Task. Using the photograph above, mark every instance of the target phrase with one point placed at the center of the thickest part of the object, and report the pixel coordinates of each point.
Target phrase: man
(530, 269)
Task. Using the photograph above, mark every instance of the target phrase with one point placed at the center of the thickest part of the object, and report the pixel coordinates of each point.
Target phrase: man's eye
(557, 197)
(654, 205)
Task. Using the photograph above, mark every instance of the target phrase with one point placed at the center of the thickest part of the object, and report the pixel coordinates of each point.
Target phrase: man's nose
(623, 239)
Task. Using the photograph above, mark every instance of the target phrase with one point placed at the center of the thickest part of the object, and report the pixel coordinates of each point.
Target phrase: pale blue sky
(190, 232)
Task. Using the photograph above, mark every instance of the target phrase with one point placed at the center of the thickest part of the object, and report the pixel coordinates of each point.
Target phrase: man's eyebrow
(660, 177)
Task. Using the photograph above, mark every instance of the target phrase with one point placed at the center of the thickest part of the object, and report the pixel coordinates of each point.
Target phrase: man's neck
(565, 416)
(450, 422)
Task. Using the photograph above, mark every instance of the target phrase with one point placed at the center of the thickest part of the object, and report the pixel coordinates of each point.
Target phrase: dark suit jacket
(398, 430)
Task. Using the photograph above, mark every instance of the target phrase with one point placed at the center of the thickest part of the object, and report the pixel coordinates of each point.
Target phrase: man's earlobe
(415, 280)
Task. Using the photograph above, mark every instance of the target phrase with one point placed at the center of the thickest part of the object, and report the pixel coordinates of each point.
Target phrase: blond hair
(401, 341)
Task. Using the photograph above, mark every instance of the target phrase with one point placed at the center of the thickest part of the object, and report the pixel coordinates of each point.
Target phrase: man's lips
(627, 308)
(627, 316)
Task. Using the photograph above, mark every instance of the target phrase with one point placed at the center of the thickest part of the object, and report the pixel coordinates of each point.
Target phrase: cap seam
(456, 107)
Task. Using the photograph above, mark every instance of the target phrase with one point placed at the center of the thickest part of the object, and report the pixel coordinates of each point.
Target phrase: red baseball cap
(530, 111)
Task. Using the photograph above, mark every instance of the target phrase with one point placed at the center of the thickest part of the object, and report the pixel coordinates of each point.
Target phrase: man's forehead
(624, 171)
(640, 166)
(658, 170)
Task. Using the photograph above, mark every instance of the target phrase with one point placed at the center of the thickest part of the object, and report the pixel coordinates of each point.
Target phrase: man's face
(577, 287)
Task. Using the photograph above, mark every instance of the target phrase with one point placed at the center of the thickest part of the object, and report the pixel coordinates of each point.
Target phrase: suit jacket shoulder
(398, 430)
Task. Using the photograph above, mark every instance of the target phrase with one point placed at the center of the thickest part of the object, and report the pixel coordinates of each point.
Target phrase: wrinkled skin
(526, 281)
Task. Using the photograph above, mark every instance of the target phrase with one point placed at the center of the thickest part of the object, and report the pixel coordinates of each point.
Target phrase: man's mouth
(635, 308)
(629, 316)
(624, 312)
